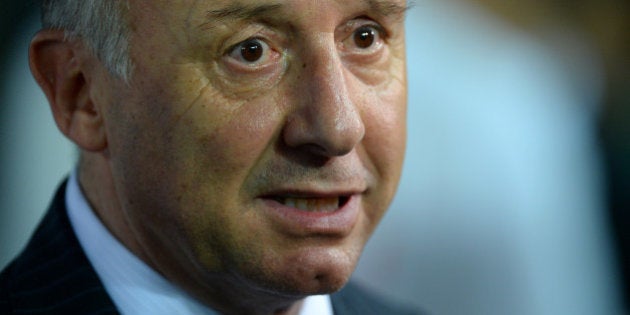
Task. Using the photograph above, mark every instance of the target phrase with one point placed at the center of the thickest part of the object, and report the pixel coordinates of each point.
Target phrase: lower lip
(304, 223)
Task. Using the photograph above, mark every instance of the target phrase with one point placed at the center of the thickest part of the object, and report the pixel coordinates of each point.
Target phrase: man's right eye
(252, 52)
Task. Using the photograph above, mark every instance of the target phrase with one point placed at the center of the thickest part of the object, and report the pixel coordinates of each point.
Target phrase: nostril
(321, 136)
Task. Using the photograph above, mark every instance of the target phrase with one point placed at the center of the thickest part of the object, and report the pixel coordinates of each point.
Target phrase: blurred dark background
(606, 24)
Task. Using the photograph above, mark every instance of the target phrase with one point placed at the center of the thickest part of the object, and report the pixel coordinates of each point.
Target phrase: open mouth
(314, 204)
(307, 213)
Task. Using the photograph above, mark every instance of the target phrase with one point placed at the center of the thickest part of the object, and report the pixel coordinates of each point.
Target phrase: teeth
(313, 204)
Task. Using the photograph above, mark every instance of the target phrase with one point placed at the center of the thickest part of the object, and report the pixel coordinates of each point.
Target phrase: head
(246, 150)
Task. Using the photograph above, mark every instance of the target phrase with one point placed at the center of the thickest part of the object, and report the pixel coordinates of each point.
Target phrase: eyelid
(382, 32)
(247, 31)
(364, 21)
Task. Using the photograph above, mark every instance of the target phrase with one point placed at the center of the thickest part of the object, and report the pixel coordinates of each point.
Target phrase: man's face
(259, 141)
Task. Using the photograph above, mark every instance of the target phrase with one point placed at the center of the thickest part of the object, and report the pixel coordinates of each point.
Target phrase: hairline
(108, 40)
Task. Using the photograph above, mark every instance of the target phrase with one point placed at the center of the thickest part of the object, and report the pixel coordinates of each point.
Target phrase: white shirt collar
(134, 287)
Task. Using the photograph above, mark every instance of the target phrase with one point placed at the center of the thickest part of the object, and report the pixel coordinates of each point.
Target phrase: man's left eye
(365, 37)
(365, 40)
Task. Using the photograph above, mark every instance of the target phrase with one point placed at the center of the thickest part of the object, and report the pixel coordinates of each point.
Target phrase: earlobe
(60, 69)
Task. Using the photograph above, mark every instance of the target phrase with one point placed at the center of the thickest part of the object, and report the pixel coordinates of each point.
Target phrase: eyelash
(383, 33)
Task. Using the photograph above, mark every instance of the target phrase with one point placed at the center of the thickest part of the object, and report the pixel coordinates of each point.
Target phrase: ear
(60, 68)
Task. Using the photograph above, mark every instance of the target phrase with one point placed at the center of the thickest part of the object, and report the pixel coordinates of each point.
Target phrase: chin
(310, 272)
(323, 281)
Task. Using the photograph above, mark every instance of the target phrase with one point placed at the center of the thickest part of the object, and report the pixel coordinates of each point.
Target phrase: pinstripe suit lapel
(52, 274)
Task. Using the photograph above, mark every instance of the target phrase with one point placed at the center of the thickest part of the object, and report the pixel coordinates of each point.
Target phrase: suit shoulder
(52, 275)
(5, 306)
(356, 299)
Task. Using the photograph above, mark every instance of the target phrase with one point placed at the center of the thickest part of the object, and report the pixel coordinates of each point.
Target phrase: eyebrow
(387, 7)
(239, 11)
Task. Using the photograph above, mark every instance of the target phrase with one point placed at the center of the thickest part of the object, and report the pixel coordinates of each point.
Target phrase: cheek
(211, 154)
(197, 144)
(220, 143)
(387, 130)
(237, 140)
(195, 129)
(384, 147)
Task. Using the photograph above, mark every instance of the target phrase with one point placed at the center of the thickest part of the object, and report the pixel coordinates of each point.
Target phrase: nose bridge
(328, 117)
(330, 99)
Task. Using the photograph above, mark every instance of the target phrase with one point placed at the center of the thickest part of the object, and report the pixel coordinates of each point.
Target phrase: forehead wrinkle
(240, 11)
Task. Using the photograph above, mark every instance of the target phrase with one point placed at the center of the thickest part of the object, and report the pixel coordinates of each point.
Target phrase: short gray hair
(102, 24)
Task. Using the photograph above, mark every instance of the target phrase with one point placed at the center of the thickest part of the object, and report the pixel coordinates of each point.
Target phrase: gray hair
(102, 24)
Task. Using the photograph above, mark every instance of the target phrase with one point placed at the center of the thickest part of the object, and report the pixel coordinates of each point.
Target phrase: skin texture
(185, 163)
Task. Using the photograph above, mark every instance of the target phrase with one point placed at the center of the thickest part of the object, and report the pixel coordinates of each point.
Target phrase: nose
(325, 120)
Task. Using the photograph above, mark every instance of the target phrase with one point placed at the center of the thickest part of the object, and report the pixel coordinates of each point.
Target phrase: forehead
(193, 11)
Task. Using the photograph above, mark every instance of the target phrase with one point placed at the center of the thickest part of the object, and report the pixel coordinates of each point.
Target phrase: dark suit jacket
(53, 276)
